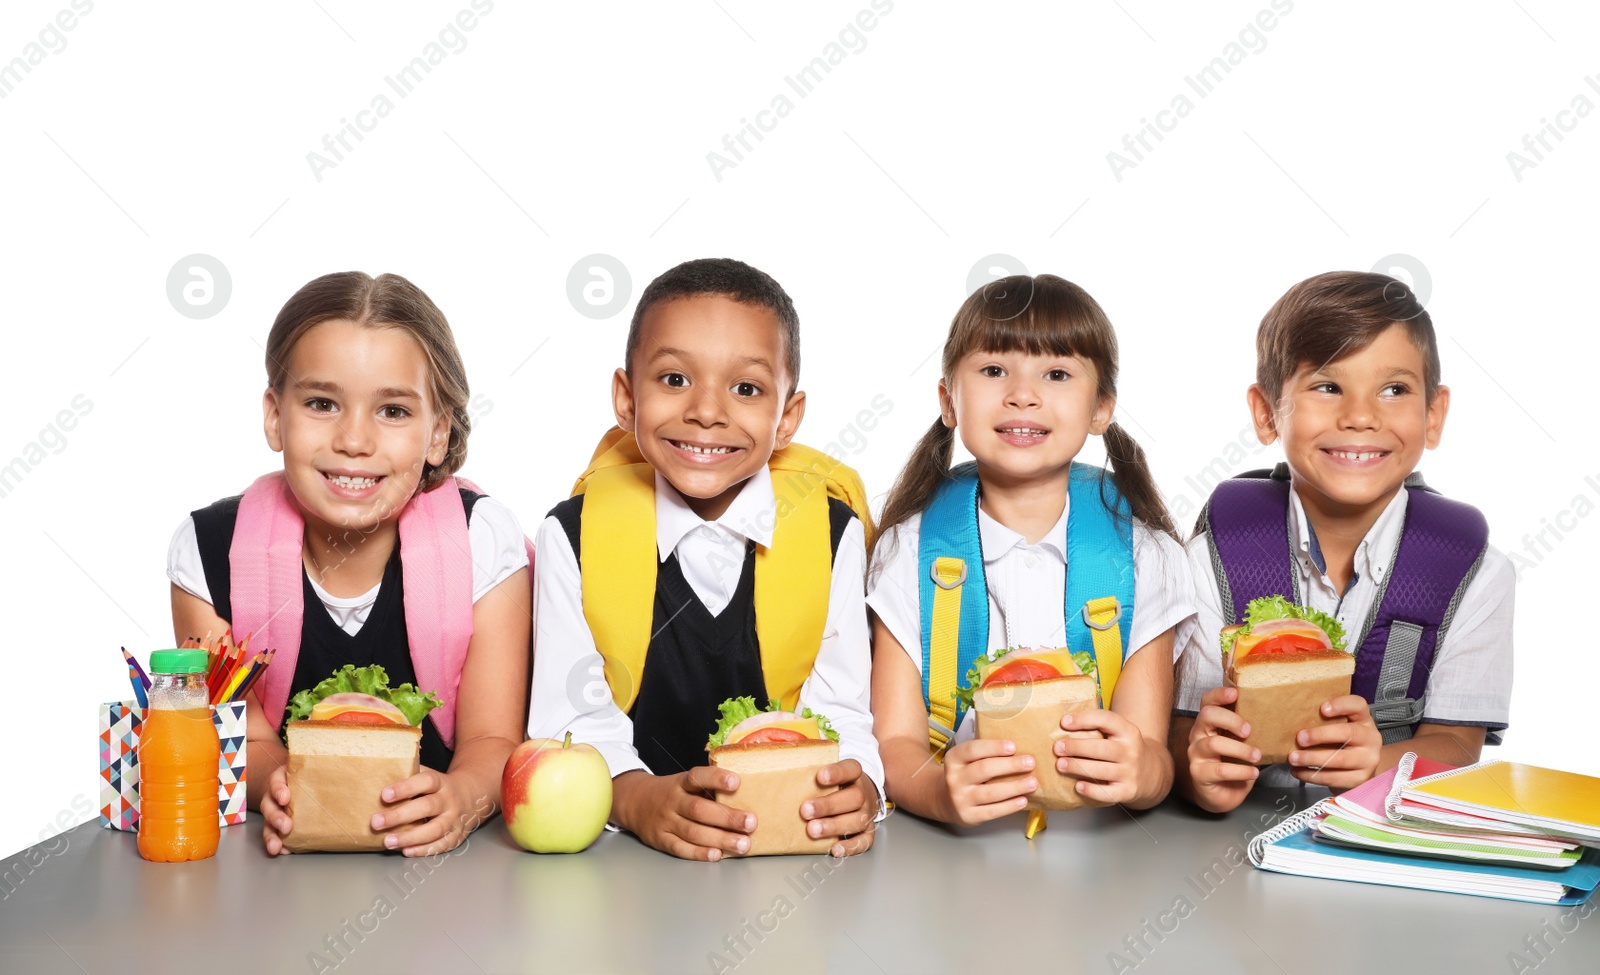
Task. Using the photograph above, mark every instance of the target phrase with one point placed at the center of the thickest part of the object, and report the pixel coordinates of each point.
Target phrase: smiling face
(1023, 417)
(355, 424)
(1352, 430)
(706, 396)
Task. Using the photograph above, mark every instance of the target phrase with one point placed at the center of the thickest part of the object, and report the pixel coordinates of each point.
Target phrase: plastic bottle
(178, 754)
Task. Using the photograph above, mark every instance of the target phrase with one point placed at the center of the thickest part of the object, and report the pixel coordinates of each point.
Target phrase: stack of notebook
(1496, 829)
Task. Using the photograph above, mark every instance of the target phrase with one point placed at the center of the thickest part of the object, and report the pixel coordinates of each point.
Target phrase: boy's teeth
(701, 450)
(1359, 458)
(353, 482)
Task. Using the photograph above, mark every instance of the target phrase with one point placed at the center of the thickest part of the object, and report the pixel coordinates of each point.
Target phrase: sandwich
(349, 737)
(776, 755)
(1286, 660)
(1021, 695)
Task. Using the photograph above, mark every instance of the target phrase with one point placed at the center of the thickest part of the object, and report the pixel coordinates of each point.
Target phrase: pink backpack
(436, 562)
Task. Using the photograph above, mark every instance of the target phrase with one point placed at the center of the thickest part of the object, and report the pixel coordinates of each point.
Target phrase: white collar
(997, 539)
(1376, 550)
(752, 515)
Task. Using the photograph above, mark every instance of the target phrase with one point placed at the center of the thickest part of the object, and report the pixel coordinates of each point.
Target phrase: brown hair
(1042, 315)
(1333, 316)
(387, 301)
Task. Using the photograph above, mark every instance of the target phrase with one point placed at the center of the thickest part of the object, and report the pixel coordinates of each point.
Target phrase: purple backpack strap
(1247, 530)
(1440, 550)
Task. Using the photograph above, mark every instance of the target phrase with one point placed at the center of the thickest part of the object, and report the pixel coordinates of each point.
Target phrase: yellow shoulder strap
(1104, 616)
(793, 576)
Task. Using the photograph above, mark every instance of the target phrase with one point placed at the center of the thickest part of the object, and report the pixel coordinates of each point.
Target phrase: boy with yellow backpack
(704, 556)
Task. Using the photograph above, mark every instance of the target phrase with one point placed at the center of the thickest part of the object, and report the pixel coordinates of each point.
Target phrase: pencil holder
(119, 763)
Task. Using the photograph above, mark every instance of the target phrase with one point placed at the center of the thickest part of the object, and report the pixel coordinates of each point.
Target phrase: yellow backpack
(617, 539)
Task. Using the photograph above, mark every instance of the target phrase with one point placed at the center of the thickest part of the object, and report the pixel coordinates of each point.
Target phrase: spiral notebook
(1290, 848)
(1514, 795)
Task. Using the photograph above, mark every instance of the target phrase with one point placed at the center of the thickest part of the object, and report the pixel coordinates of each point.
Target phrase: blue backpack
(1098, 602)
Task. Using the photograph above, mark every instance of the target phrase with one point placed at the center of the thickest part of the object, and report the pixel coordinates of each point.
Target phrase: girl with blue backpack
(1024, 546)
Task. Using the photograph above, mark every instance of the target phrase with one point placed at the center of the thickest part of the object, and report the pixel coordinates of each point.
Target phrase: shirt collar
(1376, 549)
(997, 539)
(752, 515)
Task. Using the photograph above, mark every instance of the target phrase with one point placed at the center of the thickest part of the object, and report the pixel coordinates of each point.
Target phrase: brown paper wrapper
(1278, 713)
(1031, 718)
(775, 796)
(333, 799)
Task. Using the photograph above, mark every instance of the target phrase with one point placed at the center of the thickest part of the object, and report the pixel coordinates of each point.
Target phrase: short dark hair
(1333, 316)
(731, 279)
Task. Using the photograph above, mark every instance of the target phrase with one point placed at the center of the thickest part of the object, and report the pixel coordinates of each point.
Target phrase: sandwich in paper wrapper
(1020, 695)
(1285, 660)
(776, 755)
(349, 737)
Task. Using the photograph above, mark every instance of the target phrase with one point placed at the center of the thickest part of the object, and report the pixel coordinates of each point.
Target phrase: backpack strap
(954, 599)
(436, 562)
(1246, 521)
(1100, 576)
(1097, 602)
(619, 560)
(1441, 548)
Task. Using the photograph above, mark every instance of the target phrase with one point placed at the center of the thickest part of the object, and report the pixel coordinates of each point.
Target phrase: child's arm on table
(490, 702)
(268, 787)
(1130, 766)
(958, 791)
(675, 814)
(840, 686)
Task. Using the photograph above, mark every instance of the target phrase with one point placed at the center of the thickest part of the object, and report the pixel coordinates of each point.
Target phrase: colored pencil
(134, 670)
(255, 673)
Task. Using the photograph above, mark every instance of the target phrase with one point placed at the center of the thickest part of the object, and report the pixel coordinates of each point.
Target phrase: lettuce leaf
(1279, 608)
(964, 691)
(737, 709)
(374, 680)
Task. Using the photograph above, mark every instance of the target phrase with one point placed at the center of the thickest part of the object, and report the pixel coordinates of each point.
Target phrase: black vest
(324, 647)
(695, 660)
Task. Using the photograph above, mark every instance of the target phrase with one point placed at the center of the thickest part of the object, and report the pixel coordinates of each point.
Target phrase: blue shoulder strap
(1099, 564)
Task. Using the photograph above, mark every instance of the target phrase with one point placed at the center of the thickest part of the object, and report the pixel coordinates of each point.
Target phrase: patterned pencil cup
(120, 722)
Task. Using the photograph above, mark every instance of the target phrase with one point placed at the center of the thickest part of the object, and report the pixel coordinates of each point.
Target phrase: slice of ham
(1270, 627)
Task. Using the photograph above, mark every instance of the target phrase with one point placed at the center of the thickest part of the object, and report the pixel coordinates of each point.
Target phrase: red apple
(556, 796)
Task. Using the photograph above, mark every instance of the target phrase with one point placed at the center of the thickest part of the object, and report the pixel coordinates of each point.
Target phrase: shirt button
(1031, 561)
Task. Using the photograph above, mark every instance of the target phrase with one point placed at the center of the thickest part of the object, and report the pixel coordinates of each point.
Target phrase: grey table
(1098, 891)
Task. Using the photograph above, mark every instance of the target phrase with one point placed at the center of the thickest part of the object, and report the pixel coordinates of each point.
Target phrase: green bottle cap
(179, 662)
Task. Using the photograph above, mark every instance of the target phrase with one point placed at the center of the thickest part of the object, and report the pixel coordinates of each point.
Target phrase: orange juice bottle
(178, 754)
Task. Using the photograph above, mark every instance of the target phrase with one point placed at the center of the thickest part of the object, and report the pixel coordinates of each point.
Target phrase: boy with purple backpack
(1347, 379)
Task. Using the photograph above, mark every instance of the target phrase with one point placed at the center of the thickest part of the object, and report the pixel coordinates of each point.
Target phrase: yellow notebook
(1563, 803)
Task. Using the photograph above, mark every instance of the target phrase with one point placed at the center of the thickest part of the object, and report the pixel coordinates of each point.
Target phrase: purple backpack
(1246, 522)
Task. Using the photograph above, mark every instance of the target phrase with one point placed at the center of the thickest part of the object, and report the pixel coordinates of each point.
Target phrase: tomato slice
(1288, 643)
(1024, 671)
(362, 717)
(765, 735)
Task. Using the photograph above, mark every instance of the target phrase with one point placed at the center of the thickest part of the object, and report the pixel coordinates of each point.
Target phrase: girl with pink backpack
(366, 549)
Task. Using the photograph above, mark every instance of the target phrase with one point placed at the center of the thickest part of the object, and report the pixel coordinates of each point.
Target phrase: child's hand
(676, 814)
(1110, 769)
(276, 823)
(437, 803)
(1222, 767)
(970, 769)
(847, 813)
(1339, 756)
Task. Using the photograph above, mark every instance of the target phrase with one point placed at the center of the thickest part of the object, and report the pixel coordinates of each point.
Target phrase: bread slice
(337, 773)
(775, 779)
(1030, 715)
(1280, 694)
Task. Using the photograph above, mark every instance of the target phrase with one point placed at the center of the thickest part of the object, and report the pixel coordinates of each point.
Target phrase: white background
(1358, 130)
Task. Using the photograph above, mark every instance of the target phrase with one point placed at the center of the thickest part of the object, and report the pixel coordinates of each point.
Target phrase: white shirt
(498, 551)
(1471, 679)
(1026, 585)
(569, 690)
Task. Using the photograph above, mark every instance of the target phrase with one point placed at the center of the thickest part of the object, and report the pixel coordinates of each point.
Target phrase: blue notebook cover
(1580, 879)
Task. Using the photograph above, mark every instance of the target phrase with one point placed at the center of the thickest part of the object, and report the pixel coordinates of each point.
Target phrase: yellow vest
(617, 539)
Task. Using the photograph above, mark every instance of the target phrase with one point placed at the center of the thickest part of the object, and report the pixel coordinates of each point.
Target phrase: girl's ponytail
(1131, 474)
(925, 470)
